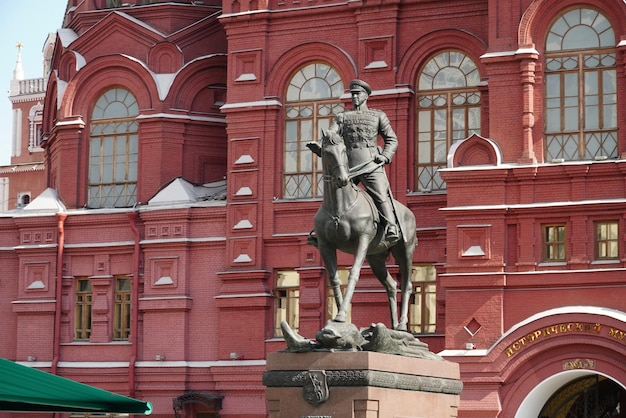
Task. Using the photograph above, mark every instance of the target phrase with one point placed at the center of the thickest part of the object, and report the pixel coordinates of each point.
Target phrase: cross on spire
(18, 72)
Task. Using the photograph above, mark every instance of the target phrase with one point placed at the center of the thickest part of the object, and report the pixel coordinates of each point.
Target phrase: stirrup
(312, 239)
(392, 234)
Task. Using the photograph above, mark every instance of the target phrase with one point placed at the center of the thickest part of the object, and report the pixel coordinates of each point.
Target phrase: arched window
(35, 117)
(448, 110)
(113, 150)
(312, 102)
(581, 90)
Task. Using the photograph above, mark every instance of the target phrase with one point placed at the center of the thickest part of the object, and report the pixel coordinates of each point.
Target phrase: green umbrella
(27, 389)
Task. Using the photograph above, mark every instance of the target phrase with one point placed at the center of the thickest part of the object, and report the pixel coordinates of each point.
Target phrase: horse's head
(334, 159)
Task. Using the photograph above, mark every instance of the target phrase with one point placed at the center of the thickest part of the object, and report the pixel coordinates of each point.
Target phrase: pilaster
(67, 160)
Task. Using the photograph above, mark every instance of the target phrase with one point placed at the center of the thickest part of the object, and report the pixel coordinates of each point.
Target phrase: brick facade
(210, 83)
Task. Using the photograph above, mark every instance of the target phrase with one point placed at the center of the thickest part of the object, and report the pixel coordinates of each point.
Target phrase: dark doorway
(591, 396)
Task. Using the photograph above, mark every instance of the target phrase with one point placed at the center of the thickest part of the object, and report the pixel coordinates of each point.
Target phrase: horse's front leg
(353, 277)
(377, 264)
(329, 255)
(404, 257)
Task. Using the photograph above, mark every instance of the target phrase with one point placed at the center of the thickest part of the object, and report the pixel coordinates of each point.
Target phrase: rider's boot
(392, 234)
(386, 210)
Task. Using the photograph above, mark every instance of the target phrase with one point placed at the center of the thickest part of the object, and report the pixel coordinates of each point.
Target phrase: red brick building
(24, 178)
(140, 270)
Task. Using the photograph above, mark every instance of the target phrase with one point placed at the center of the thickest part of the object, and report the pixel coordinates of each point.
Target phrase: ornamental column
(528, 58)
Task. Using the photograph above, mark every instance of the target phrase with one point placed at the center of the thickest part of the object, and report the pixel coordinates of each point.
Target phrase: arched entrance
(575, 394)
(587, 396)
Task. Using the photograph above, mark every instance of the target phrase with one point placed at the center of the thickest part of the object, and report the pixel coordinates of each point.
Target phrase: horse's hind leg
(377, 264)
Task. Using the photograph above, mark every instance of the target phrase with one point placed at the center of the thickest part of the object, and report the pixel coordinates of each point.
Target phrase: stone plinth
(360, 385)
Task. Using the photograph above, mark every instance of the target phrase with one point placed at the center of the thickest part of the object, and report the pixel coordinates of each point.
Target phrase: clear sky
(28, 22)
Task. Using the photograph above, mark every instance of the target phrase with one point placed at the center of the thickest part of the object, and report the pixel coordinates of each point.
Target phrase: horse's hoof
(340, 318)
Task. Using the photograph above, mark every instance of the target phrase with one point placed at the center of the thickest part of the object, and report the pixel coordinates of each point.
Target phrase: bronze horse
(348, 221)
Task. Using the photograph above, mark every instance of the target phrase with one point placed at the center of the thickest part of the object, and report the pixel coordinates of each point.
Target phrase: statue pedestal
(361, 384)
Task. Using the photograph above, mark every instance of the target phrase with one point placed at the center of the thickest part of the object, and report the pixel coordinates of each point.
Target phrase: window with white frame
(35, 118)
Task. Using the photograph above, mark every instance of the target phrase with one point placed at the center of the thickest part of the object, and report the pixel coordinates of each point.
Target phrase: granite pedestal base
(360, 385)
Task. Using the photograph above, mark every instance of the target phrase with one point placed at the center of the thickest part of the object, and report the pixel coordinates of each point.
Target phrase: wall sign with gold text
(565, 328)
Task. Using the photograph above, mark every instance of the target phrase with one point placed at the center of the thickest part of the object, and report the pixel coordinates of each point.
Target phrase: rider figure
(359, 129)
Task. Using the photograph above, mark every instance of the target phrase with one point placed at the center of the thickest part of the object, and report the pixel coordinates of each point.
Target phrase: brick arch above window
(540, 15)
(474, 150)
(282, 71)
(427, 46)
(165, 58)
(50, 104)
(93, 79)
(194, 77)
(69, 64)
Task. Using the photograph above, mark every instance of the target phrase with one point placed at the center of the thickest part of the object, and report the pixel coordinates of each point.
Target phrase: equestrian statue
(364, 221)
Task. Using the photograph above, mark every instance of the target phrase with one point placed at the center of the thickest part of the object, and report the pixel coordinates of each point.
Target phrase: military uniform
(359, 130)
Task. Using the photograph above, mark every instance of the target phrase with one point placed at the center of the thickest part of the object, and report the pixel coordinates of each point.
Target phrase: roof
(180, 191)
(21, 168)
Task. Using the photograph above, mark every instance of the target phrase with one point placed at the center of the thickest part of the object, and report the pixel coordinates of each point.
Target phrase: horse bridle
(329, 177)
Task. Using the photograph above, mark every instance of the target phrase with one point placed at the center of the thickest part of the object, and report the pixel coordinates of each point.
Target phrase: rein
(355, 171)
(363, 168)
(336, 216)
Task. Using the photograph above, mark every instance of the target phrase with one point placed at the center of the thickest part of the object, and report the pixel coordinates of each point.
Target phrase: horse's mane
(331, 138)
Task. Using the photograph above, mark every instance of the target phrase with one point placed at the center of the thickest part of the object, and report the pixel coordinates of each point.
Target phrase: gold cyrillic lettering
(617, 334)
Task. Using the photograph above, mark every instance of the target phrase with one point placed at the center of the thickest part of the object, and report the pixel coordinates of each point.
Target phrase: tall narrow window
(121, 313)
(35, 117)
(286, 301)
(581, 88)
(448, 110)
(82, 309)
(422, 307)
(607, 240)
(312, 102)
(553, 243)
(113, 150)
